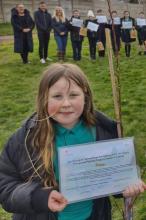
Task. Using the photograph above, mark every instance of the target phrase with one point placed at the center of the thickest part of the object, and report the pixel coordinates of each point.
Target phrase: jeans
(61, 42)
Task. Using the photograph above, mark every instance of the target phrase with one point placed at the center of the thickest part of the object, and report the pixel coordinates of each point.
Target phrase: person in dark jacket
(29, 170)
(76, 38)
(92, 35)
(141, 33)
(60, 27)
(127, 24)
(22, 25)
(43, 23)
(115, 28)
(102, 20)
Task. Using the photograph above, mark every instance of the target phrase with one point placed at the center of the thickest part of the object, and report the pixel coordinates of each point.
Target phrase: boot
(101, 53)
(129, 49)
(61, 57)
(126, 50)
(58, 55)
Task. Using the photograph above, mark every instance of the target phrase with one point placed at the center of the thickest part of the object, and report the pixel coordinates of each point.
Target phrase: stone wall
(68, 5)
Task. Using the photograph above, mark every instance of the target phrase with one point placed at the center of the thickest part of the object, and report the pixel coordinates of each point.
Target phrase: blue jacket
(59, 26)
(43, 21)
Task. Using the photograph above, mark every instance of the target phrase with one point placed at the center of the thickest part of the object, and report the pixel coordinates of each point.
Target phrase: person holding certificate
(75, 24)
(127, 24)
(102, 21)
(60, 27)
(29, 166)
(92, 28)
(141, 33)
(115, 27)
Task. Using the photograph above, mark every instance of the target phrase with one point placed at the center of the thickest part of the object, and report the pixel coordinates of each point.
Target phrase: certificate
(77, 22)
(117, 20)
(96, 169)
(127, 24)
(101, 19)
(92, 26)
(141, 22)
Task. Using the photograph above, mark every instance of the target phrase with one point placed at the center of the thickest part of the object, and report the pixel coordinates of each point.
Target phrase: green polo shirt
(79, 134)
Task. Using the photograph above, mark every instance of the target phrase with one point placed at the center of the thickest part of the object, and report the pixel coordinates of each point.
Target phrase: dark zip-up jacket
(43, 21)
(27, 199)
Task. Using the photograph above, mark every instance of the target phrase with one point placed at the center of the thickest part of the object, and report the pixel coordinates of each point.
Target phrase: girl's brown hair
(43, 133)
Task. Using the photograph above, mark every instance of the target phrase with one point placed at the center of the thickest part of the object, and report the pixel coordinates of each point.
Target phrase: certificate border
(97, 142)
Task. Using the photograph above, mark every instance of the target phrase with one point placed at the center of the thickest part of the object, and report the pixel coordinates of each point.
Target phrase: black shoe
(140, 53)
(127, 55)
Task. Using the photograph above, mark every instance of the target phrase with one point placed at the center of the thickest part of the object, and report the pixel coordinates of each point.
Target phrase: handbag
(133, 34)
(83, 32)
(100, 46)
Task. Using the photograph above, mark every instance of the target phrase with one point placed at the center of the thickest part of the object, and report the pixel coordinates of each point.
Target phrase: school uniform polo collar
(62, 130)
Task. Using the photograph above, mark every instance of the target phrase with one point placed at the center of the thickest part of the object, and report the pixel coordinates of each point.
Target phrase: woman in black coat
(22, 25)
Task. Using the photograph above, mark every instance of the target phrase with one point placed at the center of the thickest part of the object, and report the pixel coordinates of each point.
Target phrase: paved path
(6, 38)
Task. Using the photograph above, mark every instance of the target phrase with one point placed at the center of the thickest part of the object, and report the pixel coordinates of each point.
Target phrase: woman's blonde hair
(58, 18)
(42, 137)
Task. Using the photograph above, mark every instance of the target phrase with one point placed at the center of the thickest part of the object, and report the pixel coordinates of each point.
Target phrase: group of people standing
(93, 27)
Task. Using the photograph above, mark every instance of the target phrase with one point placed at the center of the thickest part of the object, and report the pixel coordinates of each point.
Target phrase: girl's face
(141, 15)
(76, 14)
(126, 14)
(65, 102)
(114, 15)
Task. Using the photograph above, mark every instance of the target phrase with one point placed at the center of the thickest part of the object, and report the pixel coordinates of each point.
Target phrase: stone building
(69, 5)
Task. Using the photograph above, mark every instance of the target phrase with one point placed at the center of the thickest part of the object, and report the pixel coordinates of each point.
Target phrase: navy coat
(19, 34)
(28, 199)
(43, 21)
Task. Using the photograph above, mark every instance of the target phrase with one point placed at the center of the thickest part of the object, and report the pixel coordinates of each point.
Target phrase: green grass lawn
(5, 29)
(19, 83)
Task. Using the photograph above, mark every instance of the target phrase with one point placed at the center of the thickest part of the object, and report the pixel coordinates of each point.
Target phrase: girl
(29, 174)
(22, 25)
(141, 33)
(125, 31)
(92, 35)
(102, 21)
(115, 26)
(60, 26)
(76, 38)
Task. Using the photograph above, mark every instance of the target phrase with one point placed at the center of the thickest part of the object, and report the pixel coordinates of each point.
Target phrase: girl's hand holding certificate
(135, 190)
(56, 201)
